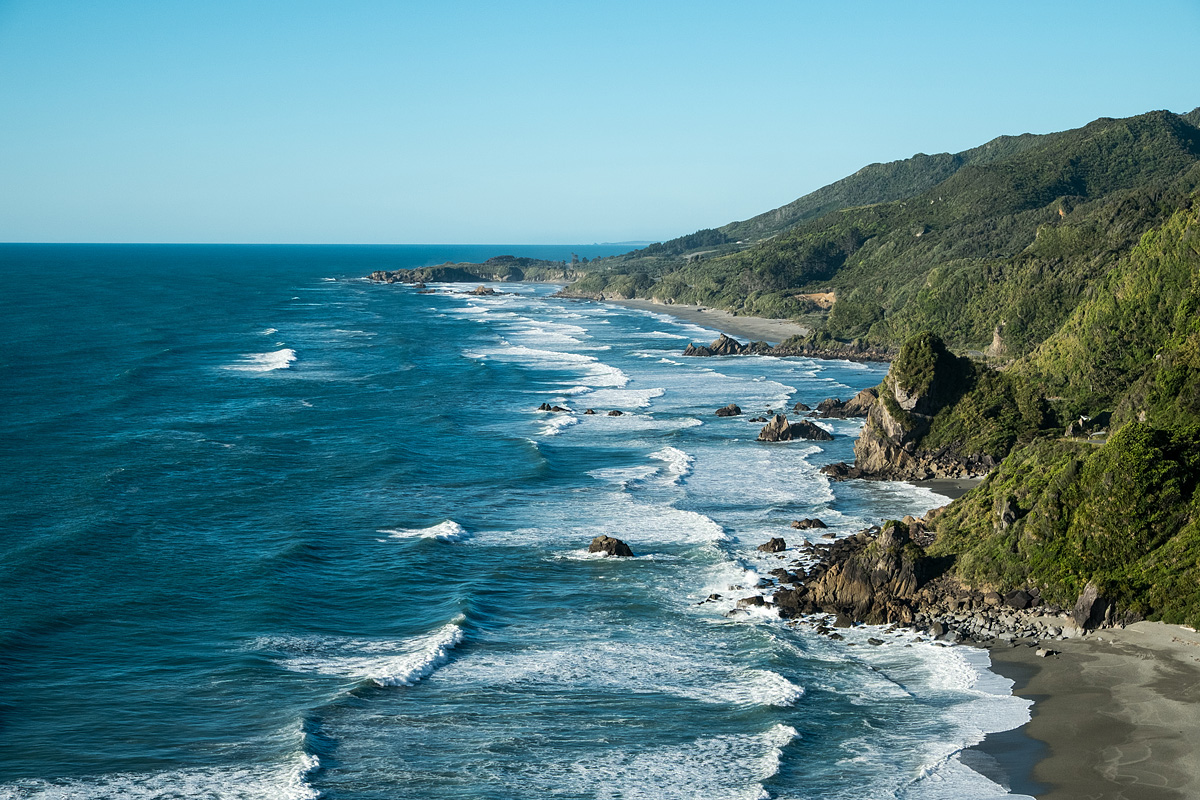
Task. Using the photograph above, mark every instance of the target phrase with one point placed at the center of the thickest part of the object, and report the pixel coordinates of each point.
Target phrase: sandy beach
(1115, 716)
(772, 331)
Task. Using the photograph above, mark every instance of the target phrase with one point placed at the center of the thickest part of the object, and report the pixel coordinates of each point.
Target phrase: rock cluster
(881, 576)
(610, 546)
(731, 410)
(805, 524)
(780, 430)
(727, 346)
(776, 545)
(548, 407)
(852, 351)
(857, 406)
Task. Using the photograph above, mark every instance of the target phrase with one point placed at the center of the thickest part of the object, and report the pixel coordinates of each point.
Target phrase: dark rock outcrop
(800, 407)
(1090, 609)
(589, 412)
(727, 346)
(776, 545)
(857, 406)
(872, 578)
(615, 413)
(731, 410)
(805, 524)
(611, 546)
(780, 430)
(924, 378)
(885, 576)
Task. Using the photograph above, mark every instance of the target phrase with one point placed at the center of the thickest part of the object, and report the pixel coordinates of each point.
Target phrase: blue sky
(520, 122)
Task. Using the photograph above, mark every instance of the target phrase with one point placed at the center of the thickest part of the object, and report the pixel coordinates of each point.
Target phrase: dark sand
(953, 488)
(772, 331)
(1115, 716)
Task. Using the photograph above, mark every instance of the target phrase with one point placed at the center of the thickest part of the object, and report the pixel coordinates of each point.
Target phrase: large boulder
(727, 346)
(780, 430)
(776, 545)
(611, 546)
(1090, 609)
(857, 406)
(870, 577)
(731, 410)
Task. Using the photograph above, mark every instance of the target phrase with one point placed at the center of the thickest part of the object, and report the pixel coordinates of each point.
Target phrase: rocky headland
(883, 575)
(499, 268)
(807, 347)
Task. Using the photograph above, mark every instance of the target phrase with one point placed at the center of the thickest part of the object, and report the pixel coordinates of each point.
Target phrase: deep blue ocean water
(268, 530)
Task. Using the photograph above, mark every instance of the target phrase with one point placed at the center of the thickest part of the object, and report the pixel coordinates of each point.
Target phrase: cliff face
(925, 379)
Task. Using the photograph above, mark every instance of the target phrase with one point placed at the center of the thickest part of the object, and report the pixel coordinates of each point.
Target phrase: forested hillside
(1046, 290)
(992, 247)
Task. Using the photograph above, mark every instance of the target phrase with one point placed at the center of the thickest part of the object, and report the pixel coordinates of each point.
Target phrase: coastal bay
(1114, 713)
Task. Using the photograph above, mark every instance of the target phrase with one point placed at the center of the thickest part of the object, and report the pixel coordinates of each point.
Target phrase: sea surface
(268, 530)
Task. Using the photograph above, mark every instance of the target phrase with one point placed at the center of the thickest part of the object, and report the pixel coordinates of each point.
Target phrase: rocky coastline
(883, 576)
(795, 346)
(498, 268)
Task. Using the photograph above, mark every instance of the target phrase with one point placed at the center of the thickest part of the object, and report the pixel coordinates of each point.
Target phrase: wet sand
(772, 331)
(953, 488)
(1116, 715)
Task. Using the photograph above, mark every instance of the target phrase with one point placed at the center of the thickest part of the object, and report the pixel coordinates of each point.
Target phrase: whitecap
(558, 424)
(381, 662)
(678, 463)
(265, 362)
(284, 781)
(448, 531)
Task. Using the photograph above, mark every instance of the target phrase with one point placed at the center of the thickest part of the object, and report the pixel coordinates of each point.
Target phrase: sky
(527, 122)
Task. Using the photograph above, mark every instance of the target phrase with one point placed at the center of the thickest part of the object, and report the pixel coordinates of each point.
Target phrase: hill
(991, 247)
(1043, 299)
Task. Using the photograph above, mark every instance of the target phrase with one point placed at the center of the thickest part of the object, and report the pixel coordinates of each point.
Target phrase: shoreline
(1114, 716)
(771, 331)
(1114, 711)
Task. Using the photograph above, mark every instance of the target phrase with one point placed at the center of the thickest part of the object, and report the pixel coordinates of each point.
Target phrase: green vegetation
(1009, 236)
(1068, 265)
(1125, 516)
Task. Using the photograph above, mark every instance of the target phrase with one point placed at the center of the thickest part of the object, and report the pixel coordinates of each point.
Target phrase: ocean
(270, 530)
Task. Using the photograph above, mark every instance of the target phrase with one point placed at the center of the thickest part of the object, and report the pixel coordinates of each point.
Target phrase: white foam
(383, 663)
(269, 331)
(624, 398)
(448, 531)
(558, 423)
(286, 781)
(664, 335)
(265, 362)
(678, 463)
(597, 373)
(728, 767)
